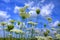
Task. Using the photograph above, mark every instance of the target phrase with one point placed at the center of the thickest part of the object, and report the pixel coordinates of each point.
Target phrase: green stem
(32, 32)
(3, 33)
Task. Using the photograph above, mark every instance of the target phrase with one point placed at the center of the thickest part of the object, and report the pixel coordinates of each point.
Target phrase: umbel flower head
(24, 15)
(47, 32)
(52, 28)
(10, 27)
(40, 37)
(59, 24)
(38, 11)
(49, 38)
(49, 19)
(45, 25)
(32, 23)
(18, 22)
(23, 12)
(3, 23)
(23, 9)
(12, 21)
(58, 36)
(17, 31)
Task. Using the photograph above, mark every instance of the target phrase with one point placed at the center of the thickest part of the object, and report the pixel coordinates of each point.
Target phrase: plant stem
(3, 33)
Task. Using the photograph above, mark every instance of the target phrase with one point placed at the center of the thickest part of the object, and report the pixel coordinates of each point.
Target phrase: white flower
(58, 36)
(16, 31)
(32, 23)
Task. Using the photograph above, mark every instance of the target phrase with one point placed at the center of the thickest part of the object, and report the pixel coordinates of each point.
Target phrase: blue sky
(11, 7)
(51, 8)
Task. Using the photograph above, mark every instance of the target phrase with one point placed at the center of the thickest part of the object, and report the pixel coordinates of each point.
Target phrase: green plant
(3, 24)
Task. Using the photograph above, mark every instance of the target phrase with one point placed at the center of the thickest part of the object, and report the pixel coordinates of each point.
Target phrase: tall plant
(33, 24)
(3, 24)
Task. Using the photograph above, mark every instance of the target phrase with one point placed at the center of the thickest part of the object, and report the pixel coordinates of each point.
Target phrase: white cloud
(32, 13)
(16, 9)
(54, 24)
(29, 4)
(0, 29)
(34, 8)
(47, 9)
(3, 15)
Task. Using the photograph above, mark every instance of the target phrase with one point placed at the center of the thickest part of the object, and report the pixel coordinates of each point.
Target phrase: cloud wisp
(55, 24)
(4, 16)
(16, 9)
(47, 9)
